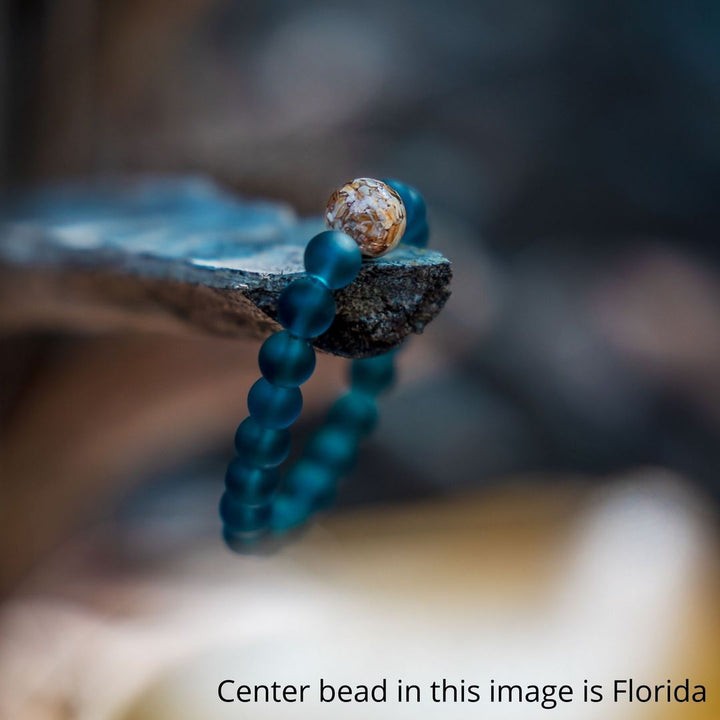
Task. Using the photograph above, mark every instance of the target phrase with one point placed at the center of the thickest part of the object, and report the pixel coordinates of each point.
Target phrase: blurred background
(570, 157)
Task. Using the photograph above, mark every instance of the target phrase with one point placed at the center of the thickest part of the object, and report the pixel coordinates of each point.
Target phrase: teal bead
(417, 235)
(333, 447)
(245, 543)
(272, 406)
(311, 480)
(334, 257)
(288, 512)
(239, 517)
(355, 411)
(286, 360)
(373, 375)
(250, 485)
(306, 307)
(412, 200)
(416, 231)
(261, 447)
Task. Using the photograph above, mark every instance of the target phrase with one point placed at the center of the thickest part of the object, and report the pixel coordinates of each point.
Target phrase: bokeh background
(570, 156)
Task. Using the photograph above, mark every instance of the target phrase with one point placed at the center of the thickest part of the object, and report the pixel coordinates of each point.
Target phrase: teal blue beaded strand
(254, 503)
(311, 483)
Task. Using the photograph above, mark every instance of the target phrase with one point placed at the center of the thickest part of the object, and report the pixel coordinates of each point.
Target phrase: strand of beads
(253, 503)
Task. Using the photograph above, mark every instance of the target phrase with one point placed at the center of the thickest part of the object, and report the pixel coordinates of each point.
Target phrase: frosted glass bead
(355, 411)
(250, 485)
(416, 232)
(245, 542)
(334, 257)
(311, 480)
(306, 307)
(286, 360)
(239, 517)
(373, 375)
(261, 447)
(333, 447)
(272, 406)
(288, 512)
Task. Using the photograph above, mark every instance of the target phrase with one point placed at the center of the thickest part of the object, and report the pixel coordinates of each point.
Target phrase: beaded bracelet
(367, 218)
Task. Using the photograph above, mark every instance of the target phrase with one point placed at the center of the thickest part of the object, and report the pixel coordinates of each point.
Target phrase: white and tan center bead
(370, 212)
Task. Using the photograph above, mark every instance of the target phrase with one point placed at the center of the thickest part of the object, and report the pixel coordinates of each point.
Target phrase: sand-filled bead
(370, 212)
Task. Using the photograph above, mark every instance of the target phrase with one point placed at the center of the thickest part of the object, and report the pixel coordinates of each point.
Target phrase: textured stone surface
(181, 253)
(371, 212)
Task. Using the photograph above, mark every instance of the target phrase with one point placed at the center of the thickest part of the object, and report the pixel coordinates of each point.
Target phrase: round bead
(286, 360)
(240, 517)
(333, 447)
(246, 542)
(272, 406)
(416, 232)
(288, 512)
(371, 212)
(355, 411)
(373, 375)
(312, 481)
(306, 307)
(334, 257)
(419, 235)
(261, 447)
(250, 485)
